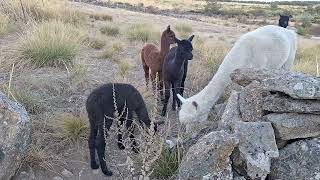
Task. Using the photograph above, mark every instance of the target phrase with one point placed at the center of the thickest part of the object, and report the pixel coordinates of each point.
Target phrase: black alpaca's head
(284, 20)
(185, 48)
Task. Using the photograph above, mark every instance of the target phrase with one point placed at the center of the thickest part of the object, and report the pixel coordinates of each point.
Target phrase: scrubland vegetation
(56, 57)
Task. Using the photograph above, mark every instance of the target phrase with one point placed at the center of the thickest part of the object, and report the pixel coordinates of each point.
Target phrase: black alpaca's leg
(184, 77)
(166, 98)
(120, 144)
(174, 96)
(92, 145)
(179, 89)
(101, 149)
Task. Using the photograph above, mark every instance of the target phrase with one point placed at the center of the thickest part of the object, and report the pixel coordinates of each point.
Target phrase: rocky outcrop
(14, 136)
(299, 160)
(276, 117)
(209, 158)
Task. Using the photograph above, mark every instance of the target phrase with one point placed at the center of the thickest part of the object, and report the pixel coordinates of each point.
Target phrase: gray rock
(14, 136)
(250, 102)
(296, 85)
(281, 104)
(257, 146)
(209, 158)
(231, 113)
(299, 160)
(292, 125)
(67, 173)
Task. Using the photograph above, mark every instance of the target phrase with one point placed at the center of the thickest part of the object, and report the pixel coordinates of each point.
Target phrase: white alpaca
(268, 47)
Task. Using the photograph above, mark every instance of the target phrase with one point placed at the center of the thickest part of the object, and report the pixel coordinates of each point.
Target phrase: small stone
(67, 173)
(57, 178)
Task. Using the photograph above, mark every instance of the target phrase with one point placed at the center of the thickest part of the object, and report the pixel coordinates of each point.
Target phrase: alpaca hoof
(121, 146)
(94, 165)
(107, 172)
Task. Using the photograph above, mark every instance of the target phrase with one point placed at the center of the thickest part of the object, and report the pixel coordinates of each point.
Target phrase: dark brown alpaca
(152, 58)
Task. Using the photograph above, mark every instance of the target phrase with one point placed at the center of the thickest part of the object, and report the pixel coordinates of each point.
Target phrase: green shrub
(212, 7)
(168, 164)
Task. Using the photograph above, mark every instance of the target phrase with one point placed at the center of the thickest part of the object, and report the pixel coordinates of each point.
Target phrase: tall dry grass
(142, 32)
(308, 60)
(52, 43)
(41, 10)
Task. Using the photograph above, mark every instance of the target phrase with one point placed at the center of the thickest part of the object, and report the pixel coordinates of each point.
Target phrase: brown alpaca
(152, 58)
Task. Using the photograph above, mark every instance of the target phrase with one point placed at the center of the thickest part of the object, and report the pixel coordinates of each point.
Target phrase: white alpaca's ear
(182, 99)
(195, 104)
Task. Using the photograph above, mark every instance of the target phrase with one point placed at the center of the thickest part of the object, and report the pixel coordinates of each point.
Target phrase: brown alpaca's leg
(145, 68)
(146, 74)
(153, 80)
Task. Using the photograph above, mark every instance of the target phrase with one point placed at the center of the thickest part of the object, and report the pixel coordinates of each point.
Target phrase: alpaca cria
(102, 103)
(152, 58)
(269, 47)
(175, 71)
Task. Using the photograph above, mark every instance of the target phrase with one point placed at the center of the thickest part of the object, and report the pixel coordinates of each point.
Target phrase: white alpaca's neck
(215, 88)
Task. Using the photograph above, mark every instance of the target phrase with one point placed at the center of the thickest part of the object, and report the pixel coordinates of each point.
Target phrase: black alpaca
(100, 103)
(284, 20)
(174, 71)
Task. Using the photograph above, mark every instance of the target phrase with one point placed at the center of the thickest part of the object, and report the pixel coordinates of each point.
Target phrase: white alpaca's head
(191, 111)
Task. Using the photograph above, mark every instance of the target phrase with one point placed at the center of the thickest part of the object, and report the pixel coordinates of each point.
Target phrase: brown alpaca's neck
(164, 47)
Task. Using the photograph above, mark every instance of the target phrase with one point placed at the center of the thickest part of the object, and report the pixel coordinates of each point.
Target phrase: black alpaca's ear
(280, 15)
(290, 16)
(168, 29)
(191, 38)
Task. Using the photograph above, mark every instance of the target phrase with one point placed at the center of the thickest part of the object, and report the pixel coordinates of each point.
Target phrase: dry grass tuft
(142, 32)
(97, 43)
(73, 129)
(113, 51)
(30, 101)
(124, 67)
(110, 30)
(51, 44)
(101, 16)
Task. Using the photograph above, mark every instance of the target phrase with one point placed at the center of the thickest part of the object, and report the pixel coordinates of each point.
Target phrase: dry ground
(59, 95)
